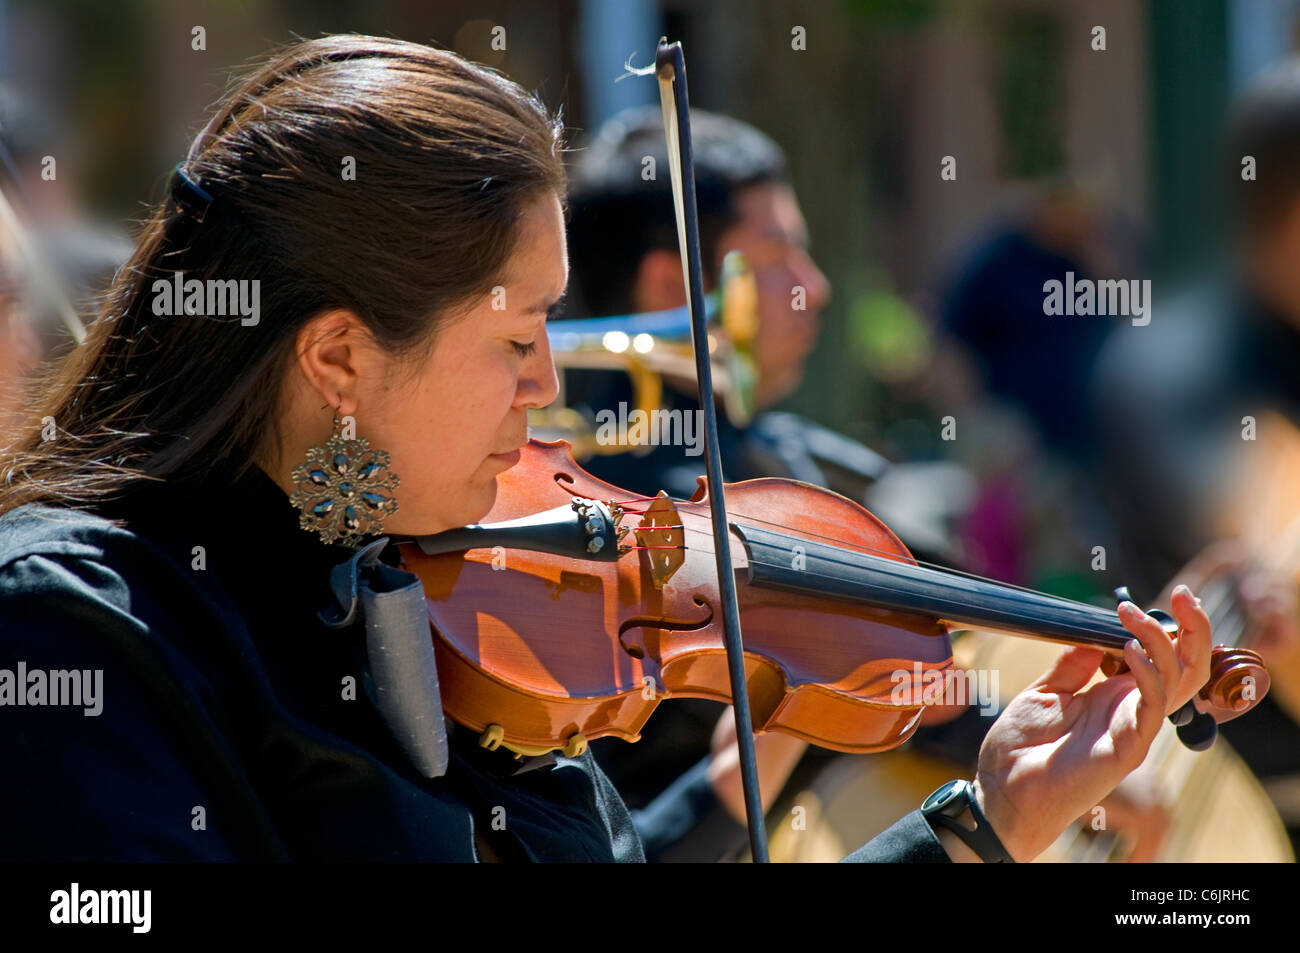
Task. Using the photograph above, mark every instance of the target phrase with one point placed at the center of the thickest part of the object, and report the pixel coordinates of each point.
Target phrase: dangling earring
(344, 490)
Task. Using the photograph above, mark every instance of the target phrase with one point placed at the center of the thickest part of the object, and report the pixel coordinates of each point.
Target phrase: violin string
(870, 551)
(1026, 619)
(782, 526)
(898, 568)
(894, 557)
(1289, 555)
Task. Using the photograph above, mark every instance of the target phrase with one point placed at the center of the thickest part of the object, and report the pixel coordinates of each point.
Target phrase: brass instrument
(653, 347)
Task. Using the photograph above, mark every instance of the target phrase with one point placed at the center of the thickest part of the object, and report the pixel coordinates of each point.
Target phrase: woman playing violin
(398, 213)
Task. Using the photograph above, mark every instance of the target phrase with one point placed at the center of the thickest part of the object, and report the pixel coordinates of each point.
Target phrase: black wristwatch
(950, 801)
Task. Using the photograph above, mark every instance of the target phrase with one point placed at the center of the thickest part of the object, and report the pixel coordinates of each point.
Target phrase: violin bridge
(662, 536)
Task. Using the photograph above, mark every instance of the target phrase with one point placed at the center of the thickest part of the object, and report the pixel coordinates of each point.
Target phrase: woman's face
(457, 421)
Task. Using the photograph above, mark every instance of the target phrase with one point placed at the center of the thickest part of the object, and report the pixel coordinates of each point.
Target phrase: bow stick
(670, 70)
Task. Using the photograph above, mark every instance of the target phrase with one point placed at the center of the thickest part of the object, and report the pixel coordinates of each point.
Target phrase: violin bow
(670, 70)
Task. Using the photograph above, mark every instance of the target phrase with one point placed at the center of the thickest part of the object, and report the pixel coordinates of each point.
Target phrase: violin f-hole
(635, 646)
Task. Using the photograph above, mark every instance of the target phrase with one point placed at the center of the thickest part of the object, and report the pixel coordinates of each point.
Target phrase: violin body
(539, 651)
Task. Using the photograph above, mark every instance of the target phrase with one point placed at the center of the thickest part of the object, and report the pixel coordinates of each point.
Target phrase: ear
(335, 353)
(659, 281)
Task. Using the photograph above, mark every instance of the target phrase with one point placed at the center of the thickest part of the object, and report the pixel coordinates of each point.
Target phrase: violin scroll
(1238, 680)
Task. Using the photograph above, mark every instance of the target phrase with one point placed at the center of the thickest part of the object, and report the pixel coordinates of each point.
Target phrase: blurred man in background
(1198, 409)
(623, 232)
(994, 306)
(1170, 399)
(1028, 439)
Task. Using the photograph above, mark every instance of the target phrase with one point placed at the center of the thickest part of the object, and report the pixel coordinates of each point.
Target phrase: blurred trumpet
(653, 347)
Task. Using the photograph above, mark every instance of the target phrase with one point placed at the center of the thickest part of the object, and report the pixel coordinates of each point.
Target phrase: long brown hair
(446, 155)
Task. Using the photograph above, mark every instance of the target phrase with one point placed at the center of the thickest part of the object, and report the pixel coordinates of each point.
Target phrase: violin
(576, 609)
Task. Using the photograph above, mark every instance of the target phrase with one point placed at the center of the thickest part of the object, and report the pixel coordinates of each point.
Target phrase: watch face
(941, 796)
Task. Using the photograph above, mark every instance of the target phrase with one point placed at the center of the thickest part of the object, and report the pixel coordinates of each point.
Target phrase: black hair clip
(192, 198)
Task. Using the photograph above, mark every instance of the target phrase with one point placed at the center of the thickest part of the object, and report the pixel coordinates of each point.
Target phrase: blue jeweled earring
(344, 491)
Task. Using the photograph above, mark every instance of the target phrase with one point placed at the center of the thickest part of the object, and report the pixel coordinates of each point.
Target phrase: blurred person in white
(76, 257)
(20, 349)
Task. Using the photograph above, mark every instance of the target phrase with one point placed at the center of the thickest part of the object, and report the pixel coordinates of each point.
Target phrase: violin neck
(793, 564)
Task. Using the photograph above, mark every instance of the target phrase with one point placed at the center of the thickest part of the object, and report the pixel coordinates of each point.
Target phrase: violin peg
(1199, 733)
(1183, 716)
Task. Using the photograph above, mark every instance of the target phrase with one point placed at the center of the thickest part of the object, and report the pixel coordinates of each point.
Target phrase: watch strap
(982, 839)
